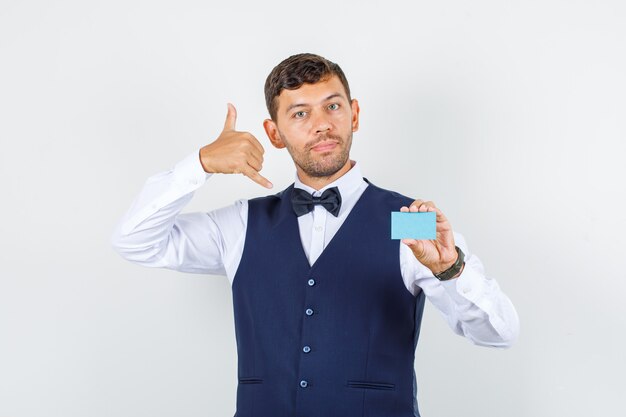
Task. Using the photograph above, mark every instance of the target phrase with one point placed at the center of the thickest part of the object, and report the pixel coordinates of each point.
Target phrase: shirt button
(466, 290)
(309, 312)
(311, 282)
(306, 349)
(304, 384)
(318, 228)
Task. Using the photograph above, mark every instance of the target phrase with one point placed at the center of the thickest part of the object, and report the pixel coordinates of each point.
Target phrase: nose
(321, 123)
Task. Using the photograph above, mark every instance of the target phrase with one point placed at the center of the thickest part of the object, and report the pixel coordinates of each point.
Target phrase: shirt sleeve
(472, 304)
(154, 233)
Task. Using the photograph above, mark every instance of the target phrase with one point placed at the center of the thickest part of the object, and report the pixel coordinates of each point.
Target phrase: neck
(320, 182)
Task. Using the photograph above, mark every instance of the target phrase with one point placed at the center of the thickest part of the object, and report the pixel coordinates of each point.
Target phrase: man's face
(315, 124)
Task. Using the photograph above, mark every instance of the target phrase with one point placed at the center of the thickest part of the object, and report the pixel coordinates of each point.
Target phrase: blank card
(413, 225)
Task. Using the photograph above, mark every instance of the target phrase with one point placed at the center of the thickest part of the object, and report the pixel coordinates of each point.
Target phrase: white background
(508, 114)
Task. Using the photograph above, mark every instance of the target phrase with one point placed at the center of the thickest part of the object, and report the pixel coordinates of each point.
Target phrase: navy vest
(333, 339)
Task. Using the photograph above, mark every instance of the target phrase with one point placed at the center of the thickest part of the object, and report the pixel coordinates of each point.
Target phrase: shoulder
(390, 196)
(272, 198)
(269, 205)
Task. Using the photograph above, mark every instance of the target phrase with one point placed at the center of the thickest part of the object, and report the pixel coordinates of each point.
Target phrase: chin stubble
(322, 168)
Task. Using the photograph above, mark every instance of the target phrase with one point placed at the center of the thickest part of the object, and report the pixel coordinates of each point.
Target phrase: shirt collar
(347, 183)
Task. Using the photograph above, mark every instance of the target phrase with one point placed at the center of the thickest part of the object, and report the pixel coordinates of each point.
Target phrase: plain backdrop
(508, 114)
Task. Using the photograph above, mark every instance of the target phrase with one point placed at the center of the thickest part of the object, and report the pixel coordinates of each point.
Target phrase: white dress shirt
(154, 233)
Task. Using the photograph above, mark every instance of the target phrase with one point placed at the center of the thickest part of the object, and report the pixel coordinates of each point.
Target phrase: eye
(333, 106)
(299, 115)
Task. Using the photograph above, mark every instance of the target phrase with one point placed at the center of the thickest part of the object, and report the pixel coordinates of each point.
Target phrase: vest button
(304, 384)
(311, 282)
(309, 312)
(306, 349)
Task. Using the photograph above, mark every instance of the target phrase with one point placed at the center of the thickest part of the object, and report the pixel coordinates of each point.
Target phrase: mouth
(324, 146)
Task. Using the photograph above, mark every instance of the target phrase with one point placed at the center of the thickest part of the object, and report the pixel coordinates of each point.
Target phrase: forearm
(479, 310)
(472, 304)
(154, 233)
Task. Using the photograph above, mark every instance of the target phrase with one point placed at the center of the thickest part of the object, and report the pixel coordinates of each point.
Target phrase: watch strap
(456, 267)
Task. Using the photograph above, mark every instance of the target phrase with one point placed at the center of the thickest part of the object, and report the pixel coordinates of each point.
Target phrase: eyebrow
(330, 97)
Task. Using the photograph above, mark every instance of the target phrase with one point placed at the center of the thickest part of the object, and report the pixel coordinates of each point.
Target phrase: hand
(439, 254)
(234, 152)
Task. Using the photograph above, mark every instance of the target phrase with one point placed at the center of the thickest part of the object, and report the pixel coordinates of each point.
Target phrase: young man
(327, 307)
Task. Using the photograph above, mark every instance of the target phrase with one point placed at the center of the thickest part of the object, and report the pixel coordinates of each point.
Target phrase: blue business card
(413, 225)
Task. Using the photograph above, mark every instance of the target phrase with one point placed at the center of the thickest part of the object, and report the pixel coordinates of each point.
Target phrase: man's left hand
(437, 255)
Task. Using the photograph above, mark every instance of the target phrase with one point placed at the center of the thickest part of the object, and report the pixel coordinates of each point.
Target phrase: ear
(355, 114)
(272, 133)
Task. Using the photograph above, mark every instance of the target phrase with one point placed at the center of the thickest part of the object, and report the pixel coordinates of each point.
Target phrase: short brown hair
(297, 70)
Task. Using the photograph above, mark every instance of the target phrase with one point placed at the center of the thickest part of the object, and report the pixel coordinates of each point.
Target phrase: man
(327, 307)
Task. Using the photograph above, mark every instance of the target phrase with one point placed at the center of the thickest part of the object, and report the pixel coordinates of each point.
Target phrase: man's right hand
(234, 152)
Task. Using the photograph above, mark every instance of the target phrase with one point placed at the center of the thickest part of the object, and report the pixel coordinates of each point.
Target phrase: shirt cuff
(468, 287)
(189, 172)
(163, 189)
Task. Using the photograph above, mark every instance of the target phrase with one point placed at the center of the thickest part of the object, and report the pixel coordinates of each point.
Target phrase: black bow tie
(303, 202)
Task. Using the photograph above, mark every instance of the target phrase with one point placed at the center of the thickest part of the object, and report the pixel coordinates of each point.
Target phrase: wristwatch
(454, 269)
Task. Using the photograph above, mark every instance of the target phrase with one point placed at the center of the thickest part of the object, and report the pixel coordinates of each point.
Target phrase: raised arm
(153, 232)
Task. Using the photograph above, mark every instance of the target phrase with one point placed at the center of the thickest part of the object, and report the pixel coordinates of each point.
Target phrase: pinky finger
(256, 177)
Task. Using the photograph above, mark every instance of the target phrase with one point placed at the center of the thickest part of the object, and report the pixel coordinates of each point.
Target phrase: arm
(472, 304)
(154, 233)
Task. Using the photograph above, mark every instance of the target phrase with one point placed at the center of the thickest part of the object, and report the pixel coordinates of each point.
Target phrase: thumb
(231, 118)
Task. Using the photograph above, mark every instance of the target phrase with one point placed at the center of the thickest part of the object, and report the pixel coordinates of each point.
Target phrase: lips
(324, 146)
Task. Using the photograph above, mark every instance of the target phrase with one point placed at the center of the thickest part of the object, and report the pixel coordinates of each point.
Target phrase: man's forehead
(312, 93)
